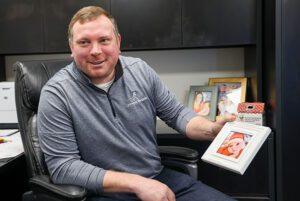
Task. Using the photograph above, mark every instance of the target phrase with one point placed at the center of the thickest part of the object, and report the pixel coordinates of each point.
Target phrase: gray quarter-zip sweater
(84, 131)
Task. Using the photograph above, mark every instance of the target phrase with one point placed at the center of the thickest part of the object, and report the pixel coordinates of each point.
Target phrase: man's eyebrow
(81, 39)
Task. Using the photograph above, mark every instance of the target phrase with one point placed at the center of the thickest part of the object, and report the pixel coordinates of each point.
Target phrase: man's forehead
(93, 25)
(102, 19)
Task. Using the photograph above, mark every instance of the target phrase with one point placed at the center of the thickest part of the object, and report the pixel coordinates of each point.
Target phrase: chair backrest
(30, 77)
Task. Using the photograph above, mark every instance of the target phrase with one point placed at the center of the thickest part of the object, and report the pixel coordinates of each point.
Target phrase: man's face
(96, 48)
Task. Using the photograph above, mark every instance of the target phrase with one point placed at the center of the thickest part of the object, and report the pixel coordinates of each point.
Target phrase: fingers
(153, 190)
(226, 118)
(230, 118)
(171, 196)
(221, 121)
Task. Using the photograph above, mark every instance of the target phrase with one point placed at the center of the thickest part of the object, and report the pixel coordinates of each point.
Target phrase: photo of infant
(234, 144)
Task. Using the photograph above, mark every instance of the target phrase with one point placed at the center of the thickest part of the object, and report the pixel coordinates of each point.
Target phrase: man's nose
(96, 49)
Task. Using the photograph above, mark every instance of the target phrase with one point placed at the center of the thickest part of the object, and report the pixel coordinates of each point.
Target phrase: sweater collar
(80, 76)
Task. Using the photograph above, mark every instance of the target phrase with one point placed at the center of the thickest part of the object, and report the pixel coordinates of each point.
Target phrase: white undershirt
(105, 86)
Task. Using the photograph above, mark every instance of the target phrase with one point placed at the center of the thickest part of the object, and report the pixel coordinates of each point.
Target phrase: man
(97, 117)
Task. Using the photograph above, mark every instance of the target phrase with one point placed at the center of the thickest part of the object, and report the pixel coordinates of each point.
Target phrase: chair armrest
(179, 153)
(178, 157)
(41, 184)
(181, 159)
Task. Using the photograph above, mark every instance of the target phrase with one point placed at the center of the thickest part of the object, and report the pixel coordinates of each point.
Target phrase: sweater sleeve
(58, 143)
(171, 111)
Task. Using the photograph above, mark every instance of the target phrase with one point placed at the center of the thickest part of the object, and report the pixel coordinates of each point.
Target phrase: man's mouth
(96, 62)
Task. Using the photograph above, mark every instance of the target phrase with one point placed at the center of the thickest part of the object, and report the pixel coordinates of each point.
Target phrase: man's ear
(71, 48)
(119, 41)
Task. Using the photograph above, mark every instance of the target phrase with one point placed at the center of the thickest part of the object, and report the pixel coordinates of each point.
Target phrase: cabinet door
(145, 24)
(218, 23)
(57, 16)
(21, 26)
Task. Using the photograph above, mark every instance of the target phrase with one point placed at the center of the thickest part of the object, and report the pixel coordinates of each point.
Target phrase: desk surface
(7, 163)
(3, 161)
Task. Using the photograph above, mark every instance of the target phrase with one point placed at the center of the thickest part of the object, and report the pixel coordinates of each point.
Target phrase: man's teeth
(97, 62)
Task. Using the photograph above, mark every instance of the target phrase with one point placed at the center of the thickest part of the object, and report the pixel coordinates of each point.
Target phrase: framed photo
(232, 91)
(236, 145)
(203, 100)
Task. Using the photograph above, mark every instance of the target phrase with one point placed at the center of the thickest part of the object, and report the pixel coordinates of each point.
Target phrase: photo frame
(203, 100)
(232, 91)
(236, 145)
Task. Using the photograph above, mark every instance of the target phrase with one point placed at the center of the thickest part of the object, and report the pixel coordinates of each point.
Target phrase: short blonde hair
(87, 14)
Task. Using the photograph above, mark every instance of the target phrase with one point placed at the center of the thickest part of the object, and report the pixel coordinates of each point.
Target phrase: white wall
(179, 69)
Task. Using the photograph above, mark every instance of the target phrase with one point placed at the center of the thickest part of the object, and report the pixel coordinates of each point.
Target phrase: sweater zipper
(109, 100)
(111, 105)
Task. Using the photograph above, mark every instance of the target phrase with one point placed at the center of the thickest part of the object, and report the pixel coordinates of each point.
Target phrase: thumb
(226, 118)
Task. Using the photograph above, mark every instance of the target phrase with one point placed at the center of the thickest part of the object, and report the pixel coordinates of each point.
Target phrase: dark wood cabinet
(56, 17)
(2, 68)
(218, 23)
(41, 26)
(21, 27)
(147, 24)
(38, 26)
(282, 88)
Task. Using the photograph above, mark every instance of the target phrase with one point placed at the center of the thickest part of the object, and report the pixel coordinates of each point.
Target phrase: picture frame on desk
(236, 145)
(203, 100)
(231, 92)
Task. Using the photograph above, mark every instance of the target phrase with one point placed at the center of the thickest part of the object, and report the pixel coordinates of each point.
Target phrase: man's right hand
(152, 190)
(144, 188)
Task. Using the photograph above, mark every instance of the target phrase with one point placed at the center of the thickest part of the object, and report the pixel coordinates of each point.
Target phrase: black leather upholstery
(31, 76)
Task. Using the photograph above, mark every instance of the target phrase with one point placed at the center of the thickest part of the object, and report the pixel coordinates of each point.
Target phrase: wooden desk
(13, 178)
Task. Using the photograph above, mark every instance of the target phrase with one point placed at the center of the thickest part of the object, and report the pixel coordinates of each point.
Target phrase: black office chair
(30, 78)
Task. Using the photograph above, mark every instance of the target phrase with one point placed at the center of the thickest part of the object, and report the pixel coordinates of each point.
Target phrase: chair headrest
(31, 76)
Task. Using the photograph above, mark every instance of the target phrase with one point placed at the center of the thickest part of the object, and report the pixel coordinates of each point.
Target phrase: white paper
(11, 148)
(7, 132)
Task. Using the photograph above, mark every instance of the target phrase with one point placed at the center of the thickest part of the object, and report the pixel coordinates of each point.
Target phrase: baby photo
(234, 144)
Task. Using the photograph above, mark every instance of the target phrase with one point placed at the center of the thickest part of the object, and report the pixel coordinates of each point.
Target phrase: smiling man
(95, 47)
(97, 118)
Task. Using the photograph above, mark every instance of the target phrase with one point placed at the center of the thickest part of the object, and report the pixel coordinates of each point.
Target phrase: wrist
(136, 183)
(121, 182)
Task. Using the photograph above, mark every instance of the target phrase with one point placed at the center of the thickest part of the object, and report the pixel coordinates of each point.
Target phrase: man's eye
(83, 42)
(105, 41)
